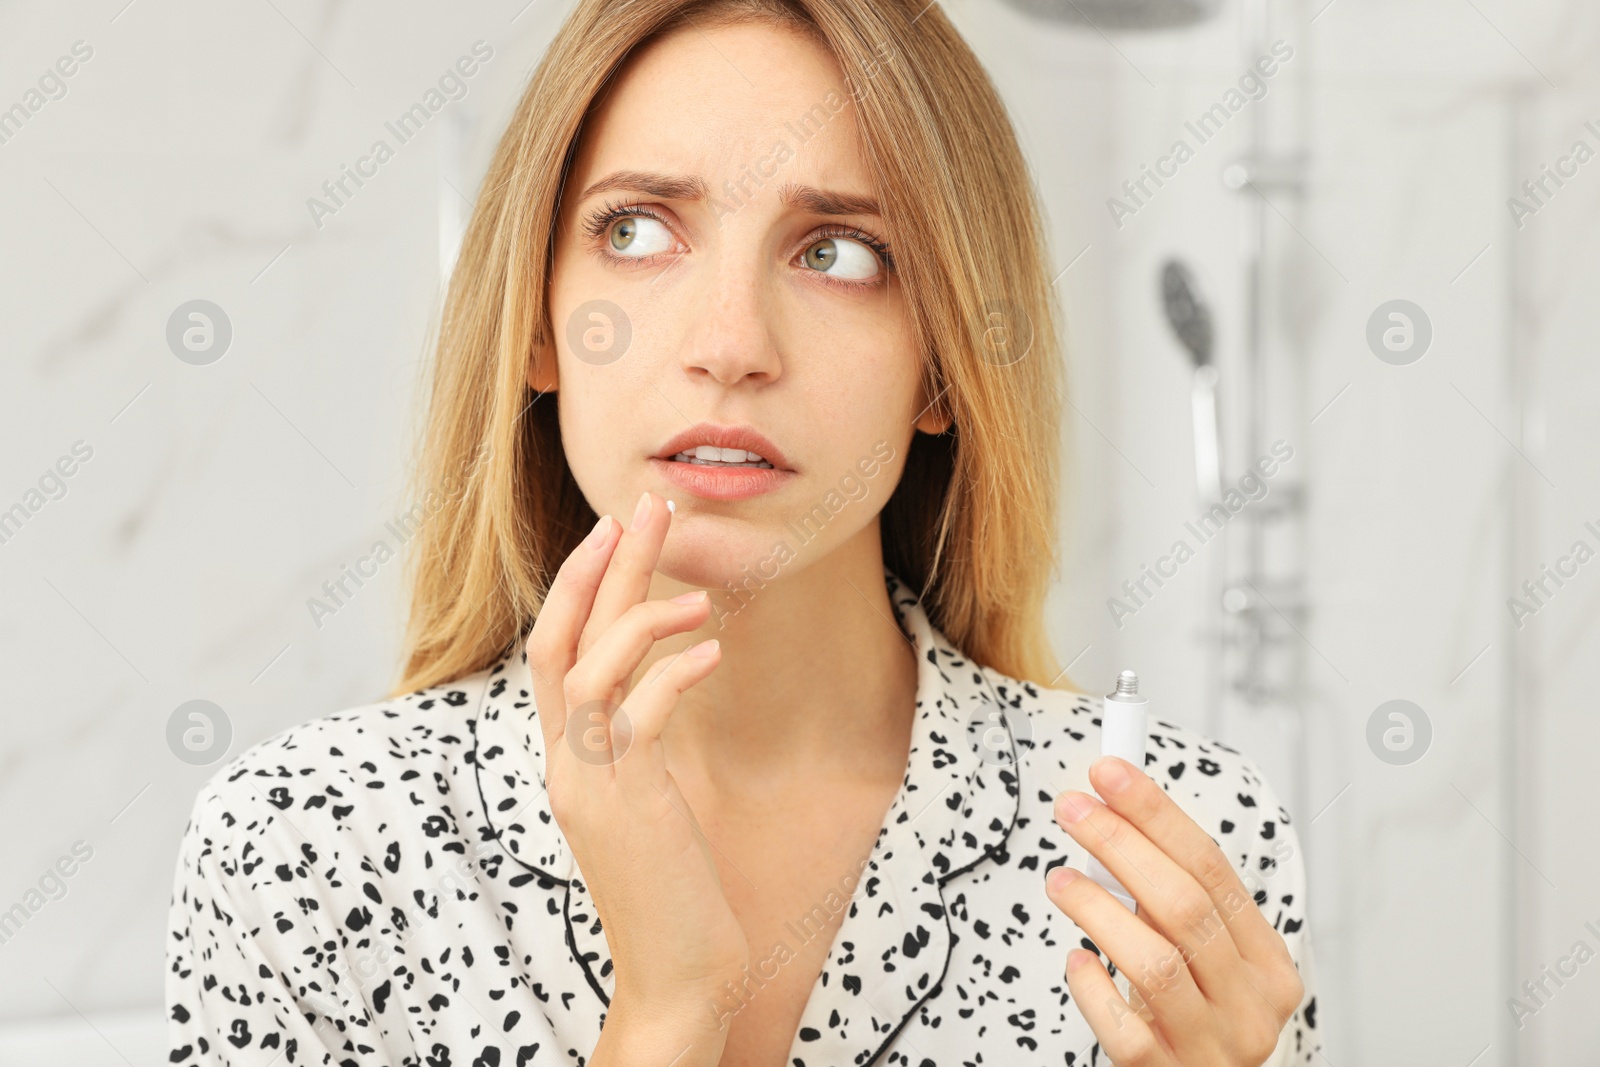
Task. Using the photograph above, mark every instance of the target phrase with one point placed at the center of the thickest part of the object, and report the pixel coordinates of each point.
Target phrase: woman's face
(719, 260)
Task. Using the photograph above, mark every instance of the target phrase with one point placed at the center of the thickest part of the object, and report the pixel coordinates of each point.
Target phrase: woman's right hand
(673, 937)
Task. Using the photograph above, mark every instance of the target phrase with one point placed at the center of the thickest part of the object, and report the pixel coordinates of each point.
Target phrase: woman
(771, 772)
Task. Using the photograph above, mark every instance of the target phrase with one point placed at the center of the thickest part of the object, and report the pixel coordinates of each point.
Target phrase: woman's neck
(816, 681)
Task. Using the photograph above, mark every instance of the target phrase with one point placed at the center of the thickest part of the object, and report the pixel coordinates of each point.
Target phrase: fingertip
(600, 534)
(1057, 879)
(642, 511)
(1073, 806)
(584, 563)
(578, 576)
(1111, 774)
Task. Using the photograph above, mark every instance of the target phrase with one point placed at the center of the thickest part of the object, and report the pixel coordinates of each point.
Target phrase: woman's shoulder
(334, 768)
(1055, 736)
(1216, 784)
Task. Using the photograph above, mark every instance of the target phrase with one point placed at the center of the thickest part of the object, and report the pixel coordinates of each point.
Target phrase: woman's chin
(722, 560)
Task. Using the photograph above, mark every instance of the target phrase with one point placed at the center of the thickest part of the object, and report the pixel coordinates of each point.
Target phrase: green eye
(841, 257)
(623, 233)
(638, 236)
(822, 255)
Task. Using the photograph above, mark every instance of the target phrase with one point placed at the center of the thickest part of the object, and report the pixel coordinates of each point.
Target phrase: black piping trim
(572, 946)
(483, 802)
(1016, 810)
(932, 992)
(566, 884)
(988, 853)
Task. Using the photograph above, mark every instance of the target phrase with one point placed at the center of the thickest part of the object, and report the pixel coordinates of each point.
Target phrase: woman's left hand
(1212, 983)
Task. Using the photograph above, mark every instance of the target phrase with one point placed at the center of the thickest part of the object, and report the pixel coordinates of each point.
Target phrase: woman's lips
(722, 482)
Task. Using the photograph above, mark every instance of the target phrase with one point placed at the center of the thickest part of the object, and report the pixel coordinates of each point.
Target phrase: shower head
(1190, 319)
(1121, 14)
(1186, 310)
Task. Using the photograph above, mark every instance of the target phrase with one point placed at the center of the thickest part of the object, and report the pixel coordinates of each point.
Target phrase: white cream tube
(1122, 734)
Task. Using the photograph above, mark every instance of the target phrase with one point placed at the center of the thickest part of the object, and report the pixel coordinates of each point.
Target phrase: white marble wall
(1558, 671)
(1440, 886)
(219, 498)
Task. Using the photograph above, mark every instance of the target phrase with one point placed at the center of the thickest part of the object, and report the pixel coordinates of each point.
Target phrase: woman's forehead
(749, 103)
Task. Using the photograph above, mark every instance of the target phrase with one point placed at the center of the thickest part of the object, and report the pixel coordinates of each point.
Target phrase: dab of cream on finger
(672, 505)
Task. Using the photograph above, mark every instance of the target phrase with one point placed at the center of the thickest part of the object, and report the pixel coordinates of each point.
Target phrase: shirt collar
(955, 808)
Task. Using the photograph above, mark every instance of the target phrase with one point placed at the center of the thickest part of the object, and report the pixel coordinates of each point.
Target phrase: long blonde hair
(972, 524)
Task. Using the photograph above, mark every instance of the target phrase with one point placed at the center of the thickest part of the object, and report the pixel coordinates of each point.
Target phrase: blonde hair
(972, 524)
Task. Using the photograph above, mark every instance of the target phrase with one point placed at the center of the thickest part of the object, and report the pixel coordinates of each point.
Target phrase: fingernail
(1077, 958)
(1072, 806)
(704, 649)
(1060, 877)
(1113, 773)
(692, 597)
(642, 512)
(597, 536)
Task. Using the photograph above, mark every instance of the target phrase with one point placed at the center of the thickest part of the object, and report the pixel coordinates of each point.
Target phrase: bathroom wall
(188, 553)
(1445, 876)
(185, 560)
(1554, 729)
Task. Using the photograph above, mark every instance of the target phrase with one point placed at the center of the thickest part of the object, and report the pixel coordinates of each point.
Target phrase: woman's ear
(934, 419)
(542, 377)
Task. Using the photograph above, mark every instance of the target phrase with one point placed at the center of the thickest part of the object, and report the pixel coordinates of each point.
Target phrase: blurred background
(1342, 244)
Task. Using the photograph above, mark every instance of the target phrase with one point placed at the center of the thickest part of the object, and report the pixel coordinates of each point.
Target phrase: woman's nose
(732, 338)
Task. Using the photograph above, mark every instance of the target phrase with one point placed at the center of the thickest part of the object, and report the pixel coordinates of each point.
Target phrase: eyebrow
(675, 187)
